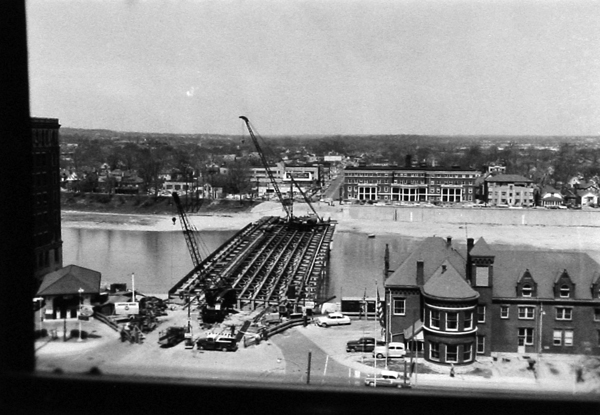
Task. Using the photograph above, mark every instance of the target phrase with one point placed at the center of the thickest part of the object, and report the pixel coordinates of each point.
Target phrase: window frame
(436, 319)
(434, 351)
(527, 287)
(566, 313)
(453, 353)
(467, 352)
(528, 333)
(525, 315)
(468, 318)
(398, 300)
(504, 311)
(455, 322)
(481, 315)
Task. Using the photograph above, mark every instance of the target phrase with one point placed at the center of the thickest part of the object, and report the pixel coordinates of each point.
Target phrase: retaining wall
(491, 216)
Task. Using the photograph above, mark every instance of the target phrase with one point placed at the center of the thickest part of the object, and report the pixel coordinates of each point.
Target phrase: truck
(171, 336)
(221, 341)
(364, 344)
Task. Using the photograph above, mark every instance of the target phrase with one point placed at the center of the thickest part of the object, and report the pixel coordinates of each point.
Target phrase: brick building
(509, 190)
(410, 184)
(478, 300)
(46, 188)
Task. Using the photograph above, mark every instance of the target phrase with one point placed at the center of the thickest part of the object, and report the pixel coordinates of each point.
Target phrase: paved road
(324, 370)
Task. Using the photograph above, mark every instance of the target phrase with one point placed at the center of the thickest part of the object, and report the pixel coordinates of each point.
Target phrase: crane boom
(287, 207)
(188, 232)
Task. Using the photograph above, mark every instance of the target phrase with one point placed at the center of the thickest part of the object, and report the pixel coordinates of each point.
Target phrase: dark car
(364, 344)
(217, 342)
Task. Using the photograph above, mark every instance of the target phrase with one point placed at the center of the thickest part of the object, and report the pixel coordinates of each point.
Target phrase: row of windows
(443, 175)
(451, 352)
(564, 290)
(528, 313)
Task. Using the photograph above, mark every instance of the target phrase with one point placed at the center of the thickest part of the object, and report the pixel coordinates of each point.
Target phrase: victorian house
(457, 302)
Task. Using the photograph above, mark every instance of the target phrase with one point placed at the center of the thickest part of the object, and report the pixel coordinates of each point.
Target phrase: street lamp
(80, 291)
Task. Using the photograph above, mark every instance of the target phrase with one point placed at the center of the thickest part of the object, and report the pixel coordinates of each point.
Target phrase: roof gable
(433, 251)
(447, 283)
(481, 248)
(69, 279)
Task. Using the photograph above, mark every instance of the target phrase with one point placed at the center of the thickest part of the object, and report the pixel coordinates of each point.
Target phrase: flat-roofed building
(46, 192)
(509, 190)
(410, 184)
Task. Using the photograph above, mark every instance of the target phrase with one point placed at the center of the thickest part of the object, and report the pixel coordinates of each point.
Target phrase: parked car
(387, 378)
(393, 349)
(217, 342)
(364, 344)
(333, 319)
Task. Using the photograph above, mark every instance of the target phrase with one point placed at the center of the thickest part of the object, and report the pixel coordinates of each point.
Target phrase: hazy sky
(318, 67)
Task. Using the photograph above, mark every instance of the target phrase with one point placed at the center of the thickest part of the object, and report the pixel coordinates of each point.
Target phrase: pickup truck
(364, 344)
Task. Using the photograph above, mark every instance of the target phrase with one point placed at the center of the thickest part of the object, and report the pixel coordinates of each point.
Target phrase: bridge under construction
(269, 262)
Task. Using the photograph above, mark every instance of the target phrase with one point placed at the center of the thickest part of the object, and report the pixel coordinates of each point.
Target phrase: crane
(209, 312)
(286, 203)
(188, 232)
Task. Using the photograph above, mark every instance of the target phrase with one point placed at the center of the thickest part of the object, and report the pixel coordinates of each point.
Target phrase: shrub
(75, 334)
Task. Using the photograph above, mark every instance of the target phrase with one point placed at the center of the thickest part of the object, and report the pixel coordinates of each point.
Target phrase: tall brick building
(46, 189)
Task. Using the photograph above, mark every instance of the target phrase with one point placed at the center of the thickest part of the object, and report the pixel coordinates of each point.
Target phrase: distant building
(458, 303)
(509, 190)
(410, 184)
(46, 189)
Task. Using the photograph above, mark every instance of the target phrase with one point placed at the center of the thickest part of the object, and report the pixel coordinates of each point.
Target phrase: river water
(160, 259)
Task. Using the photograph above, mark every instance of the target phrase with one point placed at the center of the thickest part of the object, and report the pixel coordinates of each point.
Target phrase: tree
(238, 178)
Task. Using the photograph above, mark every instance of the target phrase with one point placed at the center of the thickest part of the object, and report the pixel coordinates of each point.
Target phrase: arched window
(565, 291)
(526, 290)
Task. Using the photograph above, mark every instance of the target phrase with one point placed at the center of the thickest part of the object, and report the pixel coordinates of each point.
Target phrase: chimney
(469, 273)
(420, 273)
(448, 241)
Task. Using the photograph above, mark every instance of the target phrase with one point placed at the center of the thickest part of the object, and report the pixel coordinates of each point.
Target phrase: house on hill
(68, 288)
(453, 303)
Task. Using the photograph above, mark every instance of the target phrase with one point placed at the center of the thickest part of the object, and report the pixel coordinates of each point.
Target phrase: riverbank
(551, 236)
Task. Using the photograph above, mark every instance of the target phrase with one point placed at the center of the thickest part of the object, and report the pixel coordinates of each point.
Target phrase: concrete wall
(491, 216)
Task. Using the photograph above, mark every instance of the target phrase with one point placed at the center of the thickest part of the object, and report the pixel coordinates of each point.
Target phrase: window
(481, 314)
(526, 290)
(557, 338)
(568, 337)
(596, 314)
(565, 291)
(504, 310)
(434, 351)
(564, 313)
(468, 320)
(435, 319)
(468, 352)
(526, 312)
(525, 336)
(451, 353)
(480, 344)
(399, 306)
(452, 321)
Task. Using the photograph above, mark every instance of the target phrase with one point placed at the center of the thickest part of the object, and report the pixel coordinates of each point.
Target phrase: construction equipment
(189, 232)
(286, 203)
(210, 310)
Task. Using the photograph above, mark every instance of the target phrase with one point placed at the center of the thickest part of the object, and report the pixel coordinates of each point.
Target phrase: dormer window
(526, 285)
(564, 286)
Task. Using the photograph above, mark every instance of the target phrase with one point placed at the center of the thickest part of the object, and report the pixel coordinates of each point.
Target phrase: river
(160, 259)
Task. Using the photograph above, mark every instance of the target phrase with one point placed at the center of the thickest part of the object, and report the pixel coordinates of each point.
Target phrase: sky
(432, 67)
